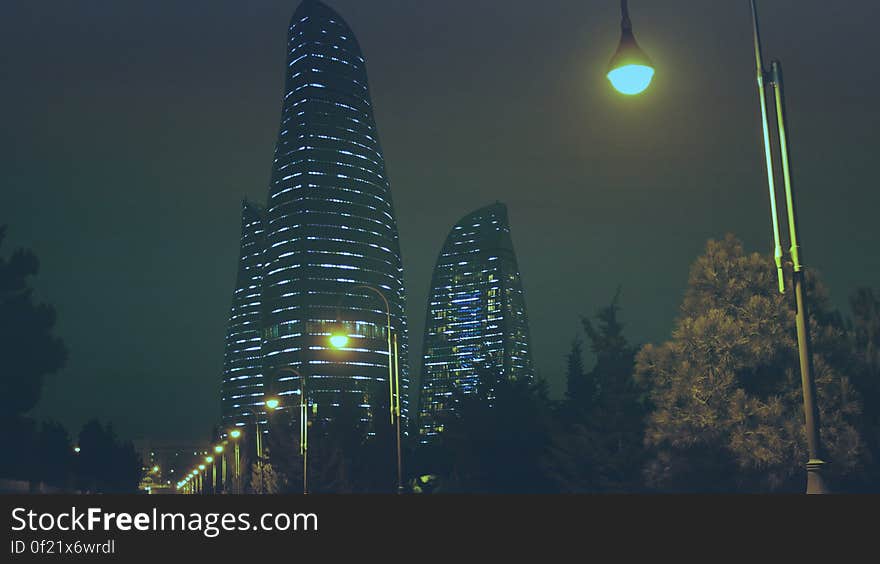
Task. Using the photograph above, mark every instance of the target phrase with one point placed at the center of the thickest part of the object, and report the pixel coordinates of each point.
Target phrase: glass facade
(476, 321)
(330, 229)
(242, 390)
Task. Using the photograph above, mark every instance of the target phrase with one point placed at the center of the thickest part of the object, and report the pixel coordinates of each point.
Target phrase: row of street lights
(194, 482)
(339, 340)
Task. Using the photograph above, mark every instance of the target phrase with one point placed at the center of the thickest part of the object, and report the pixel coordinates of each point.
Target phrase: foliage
(865, 333)
(345, 455)
(728, 411)
(496, 437)
(104, 464)
(598, 447)
(27, 347)
(264, 479)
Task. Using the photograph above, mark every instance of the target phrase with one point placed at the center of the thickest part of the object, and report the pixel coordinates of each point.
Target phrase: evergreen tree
(599, 447)
(580, 389)
(29, 350)
(495, 438)
(728, 407)
(865, 333)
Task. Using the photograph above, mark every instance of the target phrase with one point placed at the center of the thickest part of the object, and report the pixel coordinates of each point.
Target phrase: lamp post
(235, 434)
(628, 56)
(303, 421)
(218, 451)
(340, 341)
(271, 404)
(202, 479)
(210, 460)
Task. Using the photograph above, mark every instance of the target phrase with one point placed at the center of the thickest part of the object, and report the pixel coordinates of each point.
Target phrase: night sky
(131, 131)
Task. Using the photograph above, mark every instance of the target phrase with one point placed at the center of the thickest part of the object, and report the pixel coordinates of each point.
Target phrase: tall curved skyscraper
(330, 229)
(242, 392)
(476, 322)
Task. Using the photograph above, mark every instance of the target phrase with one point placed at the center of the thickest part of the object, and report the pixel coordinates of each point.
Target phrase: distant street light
(630, 55)
(235, 434)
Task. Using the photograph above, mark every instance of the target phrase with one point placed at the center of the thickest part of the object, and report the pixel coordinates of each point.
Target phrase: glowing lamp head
(201, 467)
(631, 79)
(339, 341)
(218, 449)
(209, 459)
(76, 449)
(272, 404)
(235, 433)
(630, 71)
(155, 469)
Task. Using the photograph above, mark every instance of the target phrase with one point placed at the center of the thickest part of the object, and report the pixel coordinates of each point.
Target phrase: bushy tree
(495, 438)
(726, 392)
(104, 464)
(598, 447)
(29, 350)
(264, 479)
(865, 333)
(53, 460)
(345, 454)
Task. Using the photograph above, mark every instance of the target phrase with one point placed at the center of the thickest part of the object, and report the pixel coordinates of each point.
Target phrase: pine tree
(728, 411)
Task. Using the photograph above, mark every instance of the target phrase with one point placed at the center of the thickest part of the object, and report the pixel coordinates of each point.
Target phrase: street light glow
(218, 449)
(272, 403)
(235, 433)
(631, 79)
(339, 341)
(209, 459)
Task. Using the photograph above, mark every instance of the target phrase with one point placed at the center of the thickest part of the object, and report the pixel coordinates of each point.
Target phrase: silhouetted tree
(28, 353)
(104, 464)
(728, 411)
(495, 438)
(28, 350)
(53, 460)
(599, 445)
(580, 389)
(865, 307)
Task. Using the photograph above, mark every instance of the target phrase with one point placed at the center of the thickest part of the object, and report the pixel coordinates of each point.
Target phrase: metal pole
(237, 469)
(762, 97)
(260, 454)
(815, 482)
(304, 433)
(397, 410)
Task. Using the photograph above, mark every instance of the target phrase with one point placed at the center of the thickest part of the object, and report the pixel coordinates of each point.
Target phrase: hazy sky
(131, 131)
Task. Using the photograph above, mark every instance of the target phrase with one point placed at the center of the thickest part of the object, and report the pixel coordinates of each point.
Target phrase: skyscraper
(476, 322)
(242, 390)
(330, 229)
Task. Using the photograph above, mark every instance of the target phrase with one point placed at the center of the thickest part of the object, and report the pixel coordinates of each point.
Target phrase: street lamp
(218, 450)
(630, 70)
(235, 434)
(339, 341)
(210, 460)
(303, 421)
(815, 482)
